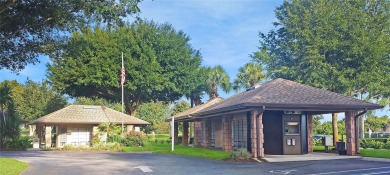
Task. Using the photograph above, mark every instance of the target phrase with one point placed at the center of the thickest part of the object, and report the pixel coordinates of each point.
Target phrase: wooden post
(335, 129)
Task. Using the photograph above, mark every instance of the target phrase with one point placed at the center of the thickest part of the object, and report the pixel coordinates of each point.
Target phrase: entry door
(292, 134)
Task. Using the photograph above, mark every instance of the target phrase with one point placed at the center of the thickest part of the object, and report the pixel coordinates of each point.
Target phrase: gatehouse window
(239, 132)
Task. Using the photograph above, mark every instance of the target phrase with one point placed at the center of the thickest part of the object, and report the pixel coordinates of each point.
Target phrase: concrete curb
(375, 159)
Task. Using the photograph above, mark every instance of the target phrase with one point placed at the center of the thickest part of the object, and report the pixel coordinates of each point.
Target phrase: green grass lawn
(321, 148)
(379, 153)
(180, 150)
(10, 166)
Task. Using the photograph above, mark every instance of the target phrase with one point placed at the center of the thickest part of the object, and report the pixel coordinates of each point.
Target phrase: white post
(122, 92)
(173, 133)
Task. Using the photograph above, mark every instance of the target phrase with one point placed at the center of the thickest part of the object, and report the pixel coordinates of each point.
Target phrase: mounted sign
(292, 112)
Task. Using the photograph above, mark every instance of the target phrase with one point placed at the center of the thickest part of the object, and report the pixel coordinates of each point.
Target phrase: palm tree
(199, 86)
(5, 97)
(248, 76)
(217, 77)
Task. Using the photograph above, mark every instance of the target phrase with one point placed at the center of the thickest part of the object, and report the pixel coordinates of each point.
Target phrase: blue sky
(225, 31)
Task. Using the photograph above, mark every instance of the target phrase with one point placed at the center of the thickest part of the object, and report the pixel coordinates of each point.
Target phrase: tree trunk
(335, 128)
(197, 101)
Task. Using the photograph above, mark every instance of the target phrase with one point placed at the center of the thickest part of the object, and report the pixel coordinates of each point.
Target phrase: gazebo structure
(78, 124)
(275, 117)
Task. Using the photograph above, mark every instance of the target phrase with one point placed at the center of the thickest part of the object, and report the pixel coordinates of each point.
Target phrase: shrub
(364, 143)
(107, 147)
(135, 139)
(114, 138)
(387, 145)
(95, 140)
(378, 145)
(162, 141)
(240, 154)
(20, 144)
(68, 147)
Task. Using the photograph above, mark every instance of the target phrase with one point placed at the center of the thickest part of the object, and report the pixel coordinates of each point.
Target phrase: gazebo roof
(281, 94)
(87, 114)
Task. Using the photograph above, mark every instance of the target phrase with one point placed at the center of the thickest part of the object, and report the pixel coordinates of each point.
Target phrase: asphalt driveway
(52, 162)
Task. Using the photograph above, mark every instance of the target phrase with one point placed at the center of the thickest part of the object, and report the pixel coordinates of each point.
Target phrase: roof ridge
(329, 91)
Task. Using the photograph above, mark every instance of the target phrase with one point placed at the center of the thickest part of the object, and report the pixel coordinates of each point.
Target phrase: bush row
(376, 143)
(18, 144)
(97, 147)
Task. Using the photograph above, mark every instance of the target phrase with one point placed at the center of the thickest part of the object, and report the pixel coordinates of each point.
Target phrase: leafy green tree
(316, 123)
(33, 27)
(341, 46)
(376, 124)
(159, 63)
(199, 86)
(217, 77)
(37, 99)
(334, 45)
(248, 76)
(180, 107)
(155, 113)
(324, 128)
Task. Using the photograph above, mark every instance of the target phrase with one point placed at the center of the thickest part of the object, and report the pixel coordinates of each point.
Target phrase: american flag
(123, 75)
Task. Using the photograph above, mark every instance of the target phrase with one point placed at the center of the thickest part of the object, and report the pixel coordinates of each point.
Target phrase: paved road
(51, 162)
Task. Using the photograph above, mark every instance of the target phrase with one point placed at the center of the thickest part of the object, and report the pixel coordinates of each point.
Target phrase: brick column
(261, 135)
(206, 123)
(197, 132)
(185, 134)
(350, 130)
(254, 133)
(48, 136)
(176, 133)
(310, 133)
(227, 132)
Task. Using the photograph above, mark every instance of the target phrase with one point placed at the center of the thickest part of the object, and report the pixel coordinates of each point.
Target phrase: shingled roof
(86, 114)
(281, 94)
(187, 113)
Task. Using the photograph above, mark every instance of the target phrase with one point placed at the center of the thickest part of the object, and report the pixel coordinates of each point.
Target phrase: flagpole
(122, 92)
(173, 133)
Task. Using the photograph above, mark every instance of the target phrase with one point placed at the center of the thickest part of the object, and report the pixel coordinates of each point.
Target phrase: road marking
(282, 171)
(380, 172)
(335, 172)
(145, 169)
